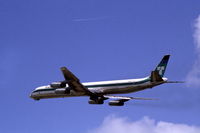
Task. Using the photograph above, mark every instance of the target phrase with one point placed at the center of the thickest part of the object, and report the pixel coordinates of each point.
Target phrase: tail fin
(162, 65)
(155, 77)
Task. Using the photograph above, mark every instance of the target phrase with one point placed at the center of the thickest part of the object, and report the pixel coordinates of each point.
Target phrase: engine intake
(96, 101)
(116, 103)
(58, 85)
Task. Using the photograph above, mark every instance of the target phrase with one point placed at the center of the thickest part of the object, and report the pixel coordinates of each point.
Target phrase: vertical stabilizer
(162, 65)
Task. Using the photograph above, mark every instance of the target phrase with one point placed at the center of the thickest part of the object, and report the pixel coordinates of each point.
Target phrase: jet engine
(63, 90)
(116, 103)
(58, 85)
(96, 101)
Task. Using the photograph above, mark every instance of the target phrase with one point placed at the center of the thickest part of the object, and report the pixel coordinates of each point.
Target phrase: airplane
(102, 90)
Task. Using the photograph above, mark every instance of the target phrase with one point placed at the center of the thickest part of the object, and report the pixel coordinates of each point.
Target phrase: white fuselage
(99, 88)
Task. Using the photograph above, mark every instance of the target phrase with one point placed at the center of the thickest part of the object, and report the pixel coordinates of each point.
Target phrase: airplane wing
(119, 100)
(73, 81)
(124, 98)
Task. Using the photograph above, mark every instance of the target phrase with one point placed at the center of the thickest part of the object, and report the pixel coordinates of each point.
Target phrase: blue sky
(96, 40)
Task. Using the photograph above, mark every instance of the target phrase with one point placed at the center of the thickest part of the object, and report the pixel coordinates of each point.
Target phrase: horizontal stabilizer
(175, 82)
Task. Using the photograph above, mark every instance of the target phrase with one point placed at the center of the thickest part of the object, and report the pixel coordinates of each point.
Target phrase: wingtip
(63, 68)
(140, 98)
(167, 56)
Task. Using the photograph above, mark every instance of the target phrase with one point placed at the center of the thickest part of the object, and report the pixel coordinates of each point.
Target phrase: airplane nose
(31, 95)
(34, 96)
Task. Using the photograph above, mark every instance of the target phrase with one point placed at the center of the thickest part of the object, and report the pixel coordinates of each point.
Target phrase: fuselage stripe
(104, 85)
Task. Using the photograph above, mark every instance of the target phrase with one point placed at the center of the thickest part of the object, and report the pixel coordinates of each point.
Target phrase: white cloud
(193, 77)
(113, 124)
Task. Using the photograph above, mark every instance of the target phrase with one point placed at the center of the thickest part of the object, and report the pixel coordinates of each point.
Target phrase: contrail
(89, 19)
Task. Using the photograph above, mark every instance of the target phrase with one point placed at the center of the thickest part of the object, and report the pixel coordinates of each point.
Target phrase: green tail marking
(162, 65)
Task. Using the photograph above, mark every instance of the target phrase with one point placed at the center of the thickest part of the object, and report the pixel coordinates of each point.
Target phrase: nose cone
(36, 93)
(31, 95)
(34, 96)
